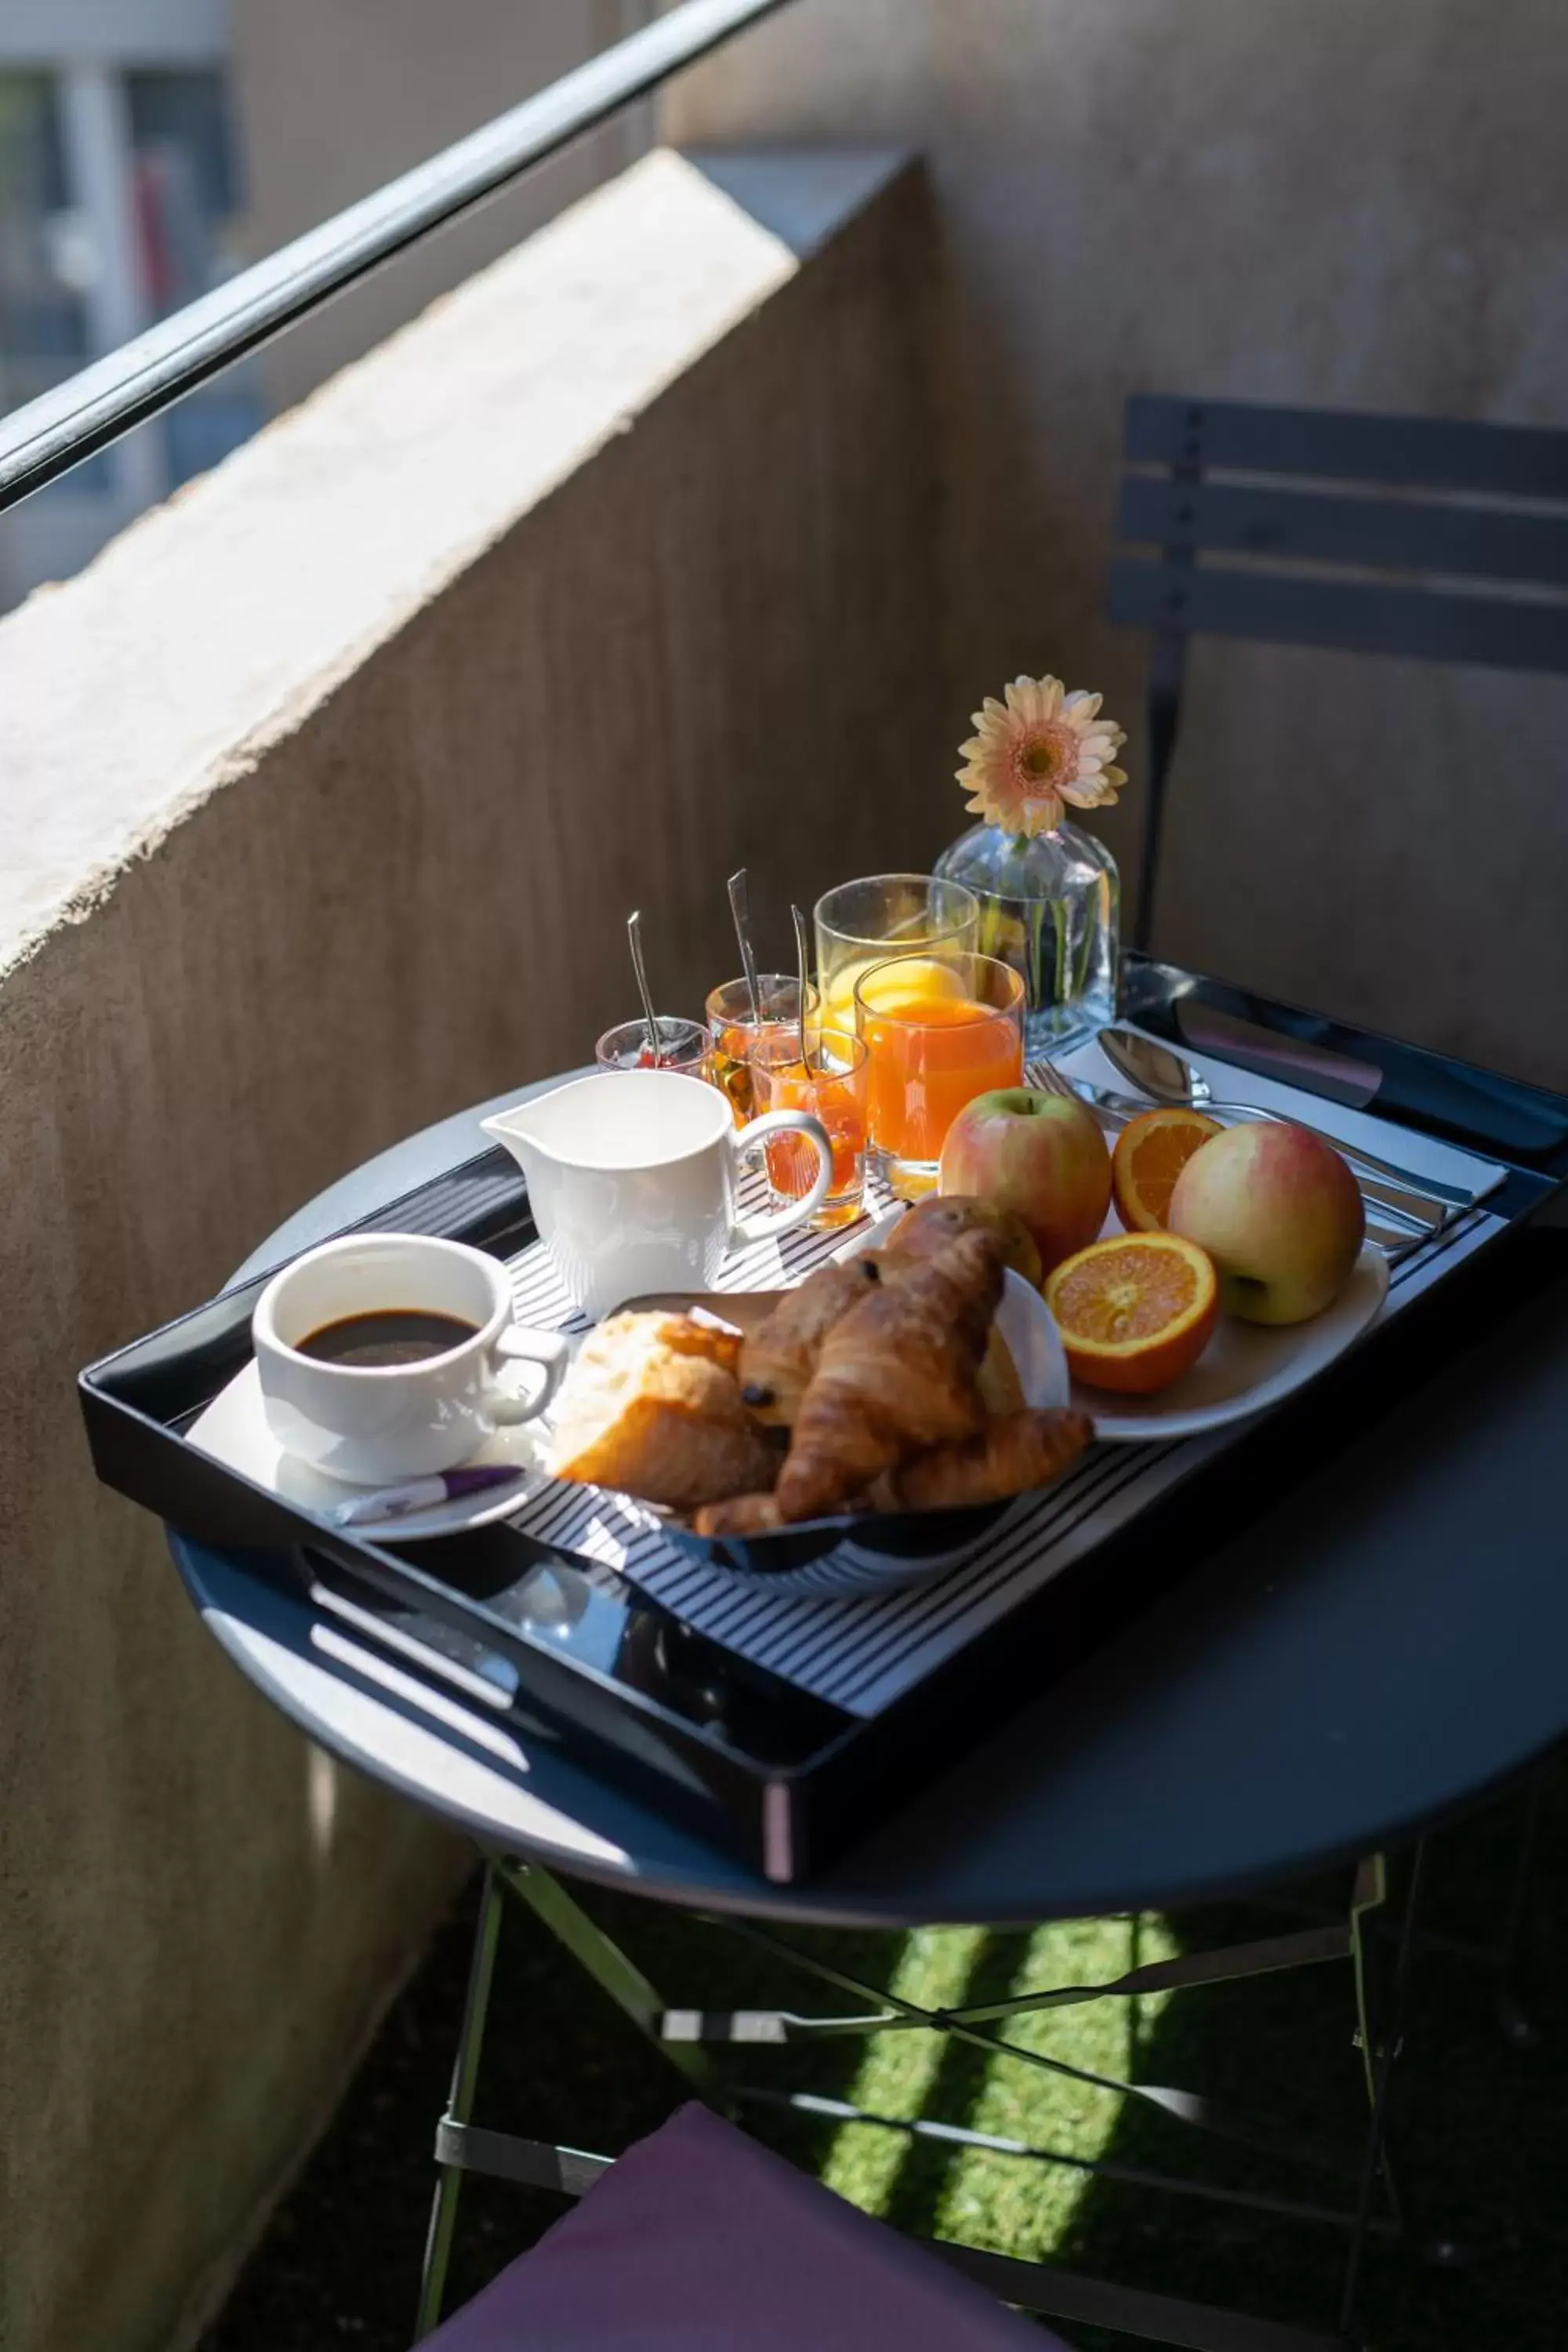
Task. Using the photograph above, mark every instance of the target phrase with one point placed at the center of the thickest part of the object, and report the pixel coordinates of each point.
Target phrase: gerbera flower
(1034, 751)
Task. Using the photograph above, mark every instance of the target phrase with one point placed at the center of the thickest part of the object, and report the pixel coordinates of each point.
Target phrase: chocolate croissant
(1007, 1458)
(781, 1354)
(896, 1374)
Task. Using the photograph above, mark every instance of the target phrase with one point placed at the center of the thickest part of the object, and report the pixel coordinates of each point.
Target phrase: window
(120, 202)
(44, 249)
(185, 201)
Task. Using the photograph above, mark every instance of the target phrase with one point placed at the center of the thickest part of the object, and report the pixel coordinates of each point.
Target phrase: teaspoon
(800, 959)
(633, 933)
(740, 912)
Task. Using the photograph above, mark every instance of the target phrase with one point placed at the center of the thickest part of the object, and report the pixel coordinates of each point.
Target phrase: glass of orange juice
(862, 923)
(939, 1030)
(833, 1088)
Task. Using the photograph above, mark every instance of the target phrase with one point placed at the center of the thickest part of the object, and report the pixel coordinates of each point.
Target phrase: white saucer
(234, 1431)
(1245, 1367)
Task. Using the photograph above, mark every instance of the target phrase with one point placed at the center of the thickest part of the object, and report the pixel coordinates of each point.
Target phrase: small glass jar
(733, 1032)
(832, 1088)
(682, 1046)
(1050, 906)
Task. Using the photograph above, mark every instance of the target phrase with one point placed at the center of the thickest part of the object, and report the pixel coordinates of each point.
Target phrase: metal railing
(77, 418)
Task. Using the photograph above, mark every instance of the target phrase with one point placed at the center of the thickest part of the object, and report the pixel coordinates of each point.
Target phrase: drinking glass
(733, 1030)
(832, 1088)
(682, 1046)
(940, 1031)
(862, 923)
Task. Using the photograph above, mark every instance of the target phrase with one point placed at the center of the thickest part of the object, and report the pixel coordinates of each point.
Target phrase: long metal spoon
(1168, 1076)
(740, 912)
(633, 933)
(800, 959)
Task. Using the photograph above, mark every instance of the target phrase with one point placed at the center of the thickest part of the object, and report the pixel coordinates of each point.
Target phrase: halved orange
(1151, 1152)
(1135, 1311)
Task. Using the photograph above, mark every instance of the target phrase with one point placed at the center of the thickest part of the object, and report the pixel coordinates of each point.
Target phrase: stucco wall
(1336, 205)
(327, 792)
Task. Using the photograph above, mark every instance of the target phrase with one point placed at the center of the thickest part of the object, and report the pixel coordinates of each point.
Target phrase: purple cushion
(699, 2241)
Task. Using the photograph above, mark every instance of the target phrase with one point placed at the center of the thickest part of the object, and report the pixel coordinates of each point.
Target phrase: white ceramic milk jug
(631, 1177)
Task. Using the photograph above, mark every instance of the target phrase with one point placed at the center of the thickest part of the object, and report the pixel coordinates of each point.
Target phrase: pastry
(652, 1405)
(1007, 1456)
(932, 1223)
(896, 1374)
(781, 1354)
(742, 1515)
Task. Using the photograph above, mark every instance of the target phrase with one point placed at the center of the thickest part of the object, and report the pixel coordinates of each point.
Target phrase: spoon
(800, 957)
(633, 933)
(742, 921)
(1168, 1078)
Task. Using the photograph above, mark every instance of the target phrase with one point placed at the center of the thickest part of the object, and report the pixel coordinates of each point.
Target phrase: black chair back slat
(1519, 461)
(1499, 632)
(1322, 526)
(1193, 519)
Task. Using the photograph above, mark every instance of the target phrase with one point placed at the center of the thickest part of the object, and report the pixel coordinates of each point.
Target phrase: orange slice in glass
(1150, 1154)
(1135, 1311)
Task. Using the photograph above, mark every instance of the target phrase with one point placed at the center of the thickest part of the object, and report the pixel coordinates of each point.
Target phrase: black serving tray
(581, 1656)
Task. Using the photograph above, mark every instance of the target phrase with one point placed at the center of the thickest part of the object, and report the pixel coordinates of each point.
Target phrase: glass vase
(1051, 907)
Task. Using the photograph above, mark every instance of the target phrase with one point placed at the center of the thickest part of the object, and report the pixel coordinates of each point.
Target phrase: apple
(1040, 1155)
(1279, 1213)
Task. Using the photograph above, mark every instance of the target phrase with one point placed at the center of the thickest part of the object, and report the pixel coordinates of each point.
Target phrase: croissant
(1007, 1458)
(742, 1515)
(779, 1357)
(896, 1374)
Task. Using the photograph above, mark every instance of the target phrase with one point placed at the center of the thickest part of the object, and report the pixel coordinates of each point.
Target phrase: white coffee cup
(371, 1425)
(631, 1178)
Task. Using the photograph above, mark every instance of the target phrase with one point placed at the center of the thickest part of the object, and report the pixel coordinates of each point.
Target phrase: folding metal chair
(1376, 2208)
(1417, 502)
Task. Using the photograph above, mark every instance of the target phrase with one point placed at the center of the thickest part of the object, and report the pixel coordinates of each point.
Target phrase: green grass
(1485, 2153)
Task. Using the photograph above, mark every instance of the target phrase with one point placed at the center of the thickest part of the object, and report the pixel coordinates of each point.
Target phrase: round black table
(1380, 1648)
(1377, 1651)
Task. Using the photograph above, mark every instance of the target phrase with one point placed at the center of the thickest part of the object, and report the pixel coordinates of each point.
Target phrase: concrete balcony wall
(1339, 206)
(327, 790)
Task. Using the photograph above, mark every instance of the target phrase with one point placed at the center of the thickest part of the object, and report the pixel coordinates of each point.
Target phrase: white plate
(1245, 1367)
(234, 1431)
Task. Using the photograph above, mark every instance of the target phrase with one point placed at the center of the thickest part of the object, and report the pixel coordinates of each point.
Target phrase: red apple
(1279, 1213)
(1042, 1155)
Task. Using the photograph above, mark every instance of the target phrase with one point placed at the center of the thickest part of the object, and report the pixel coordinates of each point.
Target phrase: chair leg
(1518, 2026)
(461, 2105)
(603, 1959)
(1381, 2038)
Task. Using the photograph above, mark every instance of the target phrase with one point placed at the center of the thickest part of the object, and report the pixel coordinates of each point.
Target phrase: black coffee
(394, 1335)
